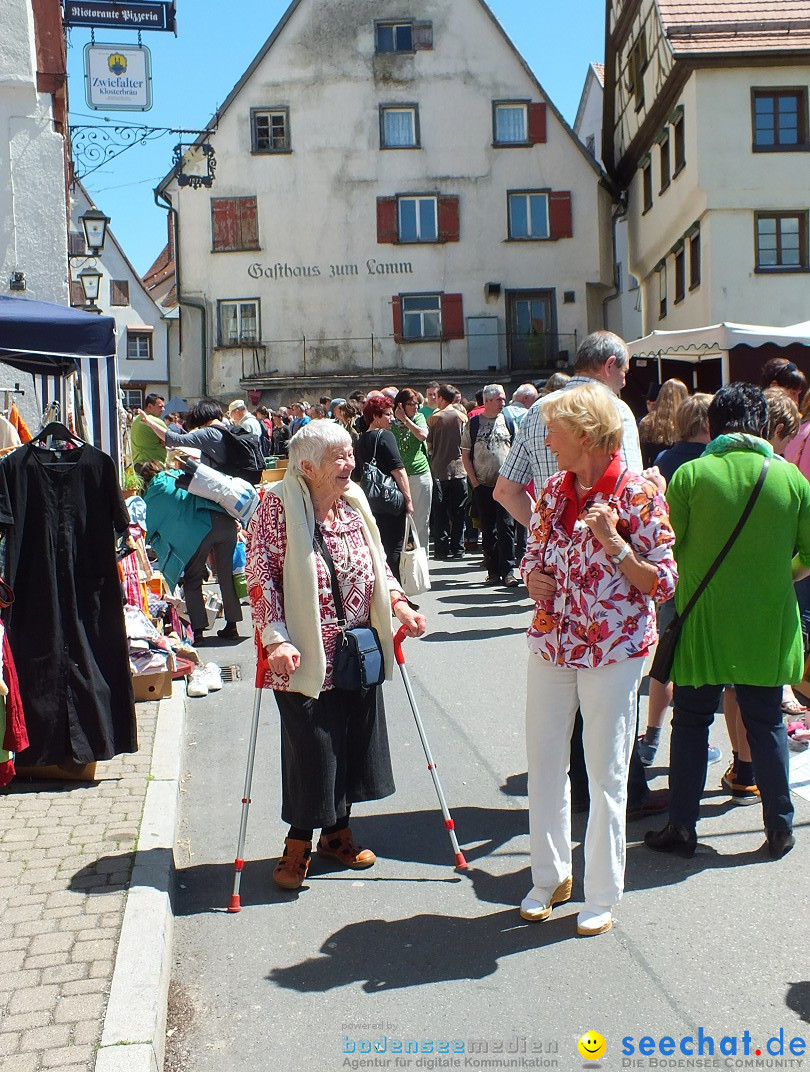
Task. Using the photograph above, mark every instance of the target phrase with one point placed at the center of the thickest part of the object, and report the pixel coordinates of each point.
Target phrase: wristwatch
(621, 556)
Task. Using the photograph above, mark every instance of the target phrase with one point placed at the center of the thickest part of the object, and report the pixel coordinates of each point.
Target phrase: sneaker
(511, 581)
(714, 755)
(740, 794)
(212, 675)
(197, 685)
(646, 752)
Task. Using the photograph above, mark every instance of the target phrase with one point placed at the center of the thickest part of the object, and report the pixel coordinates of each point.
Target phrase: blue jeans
(693, 714)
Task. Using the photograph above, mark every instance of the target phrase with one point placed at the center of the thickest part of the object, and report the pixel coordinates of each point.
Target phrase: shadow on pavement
(421, 949)
(798, 1000)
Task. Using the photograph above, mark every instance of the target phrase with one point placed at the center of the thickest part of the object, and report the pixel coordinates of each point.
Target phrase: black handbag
(384, 497)
(358, 661)
(661, 669)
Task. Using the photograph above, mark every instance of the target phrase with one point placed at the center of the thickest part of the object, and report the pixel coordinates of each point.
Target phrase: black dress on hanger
(59, 511)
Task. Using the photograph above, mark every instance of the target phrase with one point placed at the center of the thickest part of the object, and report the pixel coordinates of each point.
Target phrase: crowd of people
(618, 527)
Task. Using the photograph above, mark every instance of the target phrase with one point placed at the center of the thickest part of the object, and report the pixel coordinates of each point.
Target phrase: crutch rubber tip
(461, 863)
(235, 904)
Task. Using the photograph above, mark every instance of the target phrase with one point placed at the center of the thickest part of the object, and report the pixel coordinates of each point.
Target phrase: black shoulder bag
(661, 669)
(358, 662)
(382, 492)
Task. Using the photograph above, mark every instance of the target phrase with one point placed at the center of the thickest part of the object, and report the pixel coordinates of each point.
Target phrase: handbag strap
(321, 547)
(410, 532)
(749, 506)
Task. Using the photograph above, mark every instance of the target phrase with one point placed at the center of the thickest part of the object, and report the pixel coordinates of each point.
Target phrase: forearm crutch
(461, 863)
(239, 862)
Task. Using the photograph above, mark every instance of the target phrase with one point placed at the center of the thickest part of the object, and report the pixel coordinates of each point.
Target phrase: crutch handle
(399, 636)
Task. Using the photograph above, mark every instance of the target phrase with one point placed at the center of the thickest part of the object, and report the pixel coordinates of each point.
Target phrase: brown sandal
(341, 846)
(291, 869)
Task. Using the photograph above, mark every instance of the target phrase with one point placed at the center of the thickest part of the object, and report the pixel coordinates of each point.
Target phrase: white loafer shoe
(539, 903)
(592, 921)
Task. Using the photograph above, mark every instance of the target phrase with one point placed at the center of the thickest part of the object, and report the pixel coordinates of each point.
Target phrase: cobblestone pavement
(65, 861)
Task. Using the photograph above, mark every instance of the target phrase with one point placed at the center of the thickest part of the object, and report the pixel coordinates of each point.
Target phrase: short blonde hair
(692, 417)
(589, 410)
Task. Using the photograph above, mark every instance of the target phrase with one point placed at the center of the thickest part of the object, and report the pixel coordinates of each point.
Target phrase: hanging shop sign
(118, 77)
(159, 15)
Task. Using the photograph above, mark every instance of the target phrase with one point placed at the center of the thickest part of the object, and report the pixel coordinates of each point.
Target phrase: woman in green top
(411, 433)
(744, 628)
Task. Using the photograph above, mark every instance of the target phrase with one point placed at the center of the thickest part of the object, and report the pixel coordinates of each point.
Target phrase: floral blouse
(267, 545)
(597, 616)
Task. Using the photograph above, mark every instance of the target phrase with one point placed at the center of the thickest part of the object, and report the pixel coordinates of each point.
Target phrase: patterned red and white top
(597, 616)
(346, 543)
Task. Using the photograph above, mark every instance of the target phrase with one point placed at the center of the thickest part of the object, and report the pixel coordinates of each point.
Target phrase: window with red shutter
(452, 316)
(537, 123)
(234, 224)
(386, 219)
(560, 215)
(422, 35)
(448, 219)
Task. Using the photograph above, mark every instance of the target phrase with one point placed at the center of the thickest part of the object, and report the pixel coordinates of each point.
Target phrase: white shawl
(301, 611)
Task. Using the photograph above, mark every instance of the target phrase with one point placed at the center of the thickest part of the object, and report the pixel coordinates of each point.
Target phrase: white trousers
(607, 698)
(421, 486)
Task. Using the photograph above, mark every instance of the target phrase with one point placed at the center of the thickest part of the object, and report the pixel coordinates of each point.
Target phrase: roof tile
(707, 26)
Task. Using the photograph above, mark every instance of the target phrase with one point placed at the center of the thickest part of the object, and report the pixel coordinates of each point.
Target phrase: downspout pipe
(194, 303)
(618, 212)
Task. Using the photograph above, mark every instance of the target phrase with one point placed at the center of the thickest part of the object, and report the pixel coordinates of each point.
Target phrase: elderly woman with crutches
(318, 581)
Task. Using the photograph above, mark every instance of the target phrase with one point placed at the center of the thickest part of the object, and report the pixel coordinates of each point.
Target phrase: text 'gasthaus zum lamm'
(282, 270)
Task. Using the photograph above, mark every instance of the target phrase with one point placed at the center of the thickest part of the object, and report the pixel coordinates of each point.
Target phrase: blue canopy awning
(49, 340)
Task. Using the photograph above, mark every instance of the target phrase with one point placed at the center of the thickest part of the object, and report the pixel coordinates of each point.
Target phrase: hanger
(57, 430)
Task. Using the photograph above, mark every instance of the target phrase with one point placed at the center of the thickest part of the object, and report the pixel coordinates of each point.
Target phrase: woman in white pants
(599, 552)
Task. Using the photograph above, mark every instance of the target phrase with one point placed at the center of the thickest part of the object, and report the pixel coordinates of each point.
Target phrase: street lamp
(90, 279)
(94, 224)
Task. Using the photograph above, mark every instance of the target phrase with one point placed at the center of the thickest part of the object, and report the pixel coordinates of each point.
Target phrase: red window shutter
(448, 219)
(452, 316)
(76, 293)
(537, 123)
(248, 223)
(559, 211)
(387, 219)
(225, 223)
(422, 35)
(396, 306)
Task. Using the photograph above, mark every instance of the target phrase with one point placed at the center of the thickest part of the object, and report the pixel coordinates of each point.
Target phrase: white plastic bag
(414, 573)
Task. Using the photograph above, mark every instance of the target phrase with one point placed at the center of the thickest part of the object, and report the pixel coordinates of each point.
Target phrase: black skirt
(334, 752)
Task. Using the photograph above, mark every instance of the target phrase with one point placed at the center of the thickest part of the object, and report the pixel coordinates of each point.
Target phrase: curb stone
(134, 1034)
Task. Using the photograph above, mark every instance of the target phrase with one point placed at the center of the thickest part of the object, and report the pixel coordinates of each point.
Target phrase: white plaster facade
(623, 304)
(715, 193)
(141, 329)
(33, 208)
(317, 208)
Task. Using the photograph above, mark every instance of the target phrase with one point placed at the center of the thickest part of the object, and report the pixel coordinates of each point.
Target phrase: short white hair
(311, 443)
(492, 390)
(527, 393)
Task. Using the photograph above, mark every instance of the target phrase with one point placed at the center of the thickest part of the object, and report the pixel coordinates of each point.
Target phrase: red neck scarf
(605, 485)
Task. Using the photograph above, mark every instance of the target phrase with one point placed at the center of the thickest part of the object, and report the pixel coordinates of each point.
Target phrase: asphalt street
(415, 965)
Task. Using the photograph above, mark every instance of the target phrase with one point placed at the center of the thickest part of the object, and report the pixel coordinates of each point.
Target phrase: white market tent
(714, 342)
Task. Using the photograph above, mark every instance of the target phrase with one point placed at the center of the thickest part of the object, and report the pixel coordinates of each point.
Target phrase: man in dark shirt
(444, 443)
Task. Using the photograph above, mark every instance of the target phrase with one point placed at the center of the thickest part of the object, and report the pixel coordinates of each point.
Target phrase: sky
(194, 72)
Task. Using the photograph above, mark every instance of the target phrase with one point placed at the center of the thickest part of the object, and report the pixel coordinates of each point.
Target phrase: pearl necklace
(585, 487)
